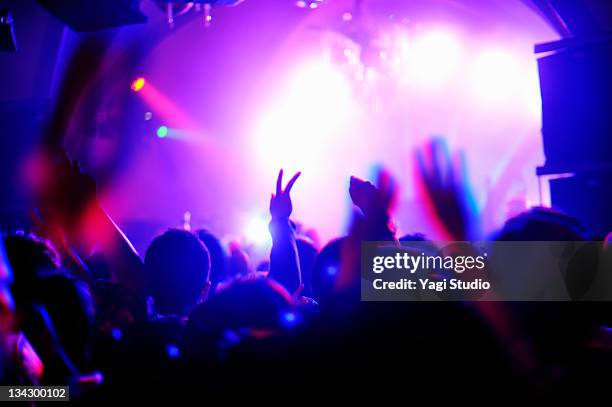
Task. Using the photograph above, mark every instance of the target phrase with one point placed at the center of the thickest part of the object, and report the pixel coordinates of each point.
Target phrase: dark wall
(26, 79)
(28, 73)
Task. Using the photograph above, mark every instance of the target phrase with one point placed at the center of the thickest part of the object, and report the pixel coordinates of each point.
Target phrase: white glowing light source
(256, 231)
(310, 113)
(496, 76)
(433, 58)
(530, 96)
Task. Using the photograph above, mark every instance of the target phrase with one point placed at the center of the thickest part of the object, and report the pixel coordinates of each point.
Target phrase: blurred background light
(256, 230)
(138, 84)
(342, 90)
(496, 75)
(309, 113)
(433, 57)
(162, 131)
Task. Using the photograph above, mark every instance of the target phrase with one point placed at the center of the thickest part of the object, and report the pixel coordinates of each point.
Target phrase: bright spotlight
(138, 84)
(433, 58)
(256, 231)
(162, 131)
(311, 113)
(496, 76)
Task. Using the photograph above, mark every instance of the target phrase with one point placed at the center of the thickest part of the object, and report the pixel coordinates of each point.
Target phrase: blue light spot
(116, 334)
(331, 271)
(289, 319)
(230, 339)
(173, 351)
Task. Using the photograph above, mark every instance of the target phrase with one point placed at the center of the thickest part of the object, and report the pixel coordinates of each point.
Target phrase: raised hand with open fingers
(445, 185)
(280, 202)
(284, 262)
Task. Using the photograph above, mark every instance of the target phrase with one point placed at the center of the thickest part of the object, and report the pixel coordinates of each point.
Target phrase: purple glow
(307, 103)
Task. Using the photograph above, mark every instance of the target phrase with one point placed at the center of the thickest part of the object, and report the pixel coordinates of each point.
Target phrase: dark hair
(177, 266)
(70, 306)
(218, 256)
(250, 306)
(238, 261)
(29, 257)
(542, 224)
(307, 253)
(40, 280)
(326, 270)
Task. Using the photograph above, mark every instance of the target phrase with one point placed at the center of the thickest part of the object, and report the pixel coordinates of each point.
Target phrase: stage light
(531, 98)
(496, 75)
(162, 131)
(138, 84)
(314, 106)
(433, 58)
(312, 4)
(256, 231)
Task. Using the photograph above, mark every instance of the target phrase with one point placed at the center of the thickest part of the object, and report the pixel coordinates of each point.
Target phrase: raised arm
(69, 206)
(374, 204)
(445, 187)
(284, 261)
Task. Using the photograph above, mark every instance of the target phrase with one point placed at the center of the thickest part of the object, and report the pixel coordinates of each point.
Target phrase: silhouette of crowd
(191, 317)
